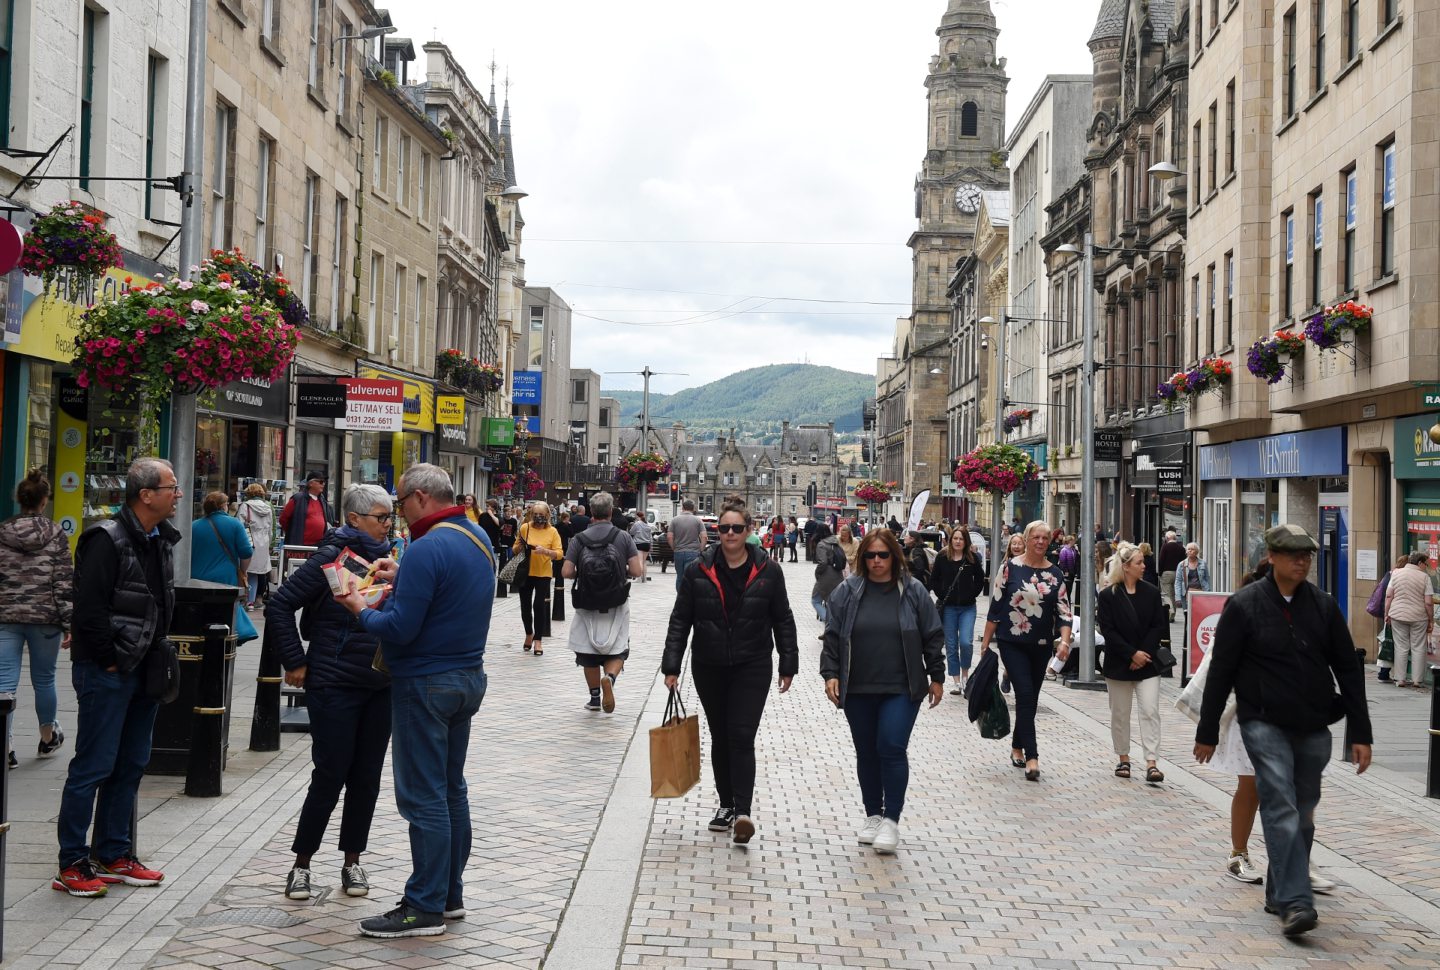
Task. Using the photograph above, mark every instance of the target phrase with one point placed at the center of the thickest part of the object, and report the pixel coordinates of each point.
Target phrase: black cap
(316, 476)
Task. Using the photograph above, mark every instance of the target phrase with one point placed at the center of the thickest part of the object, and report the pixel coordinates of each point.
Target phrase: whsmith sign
(1301, 454)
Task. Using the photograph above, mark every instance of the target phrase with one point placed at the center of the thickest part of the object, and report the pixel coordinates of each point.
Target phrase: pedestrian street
(574, 866)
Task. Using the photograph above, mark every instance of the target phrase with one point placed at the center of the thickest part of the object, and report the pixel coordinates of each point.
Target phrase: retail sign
(525, 387)
(1300, 454)
(450, 409)
(1107, 445)
(1432, 399)
(499, 433)
(48, 325)
(1170, 480)
(1416, 456)
(254, 398)
(325, 401)
(373, 405)
(1204, 610)
(419, 399)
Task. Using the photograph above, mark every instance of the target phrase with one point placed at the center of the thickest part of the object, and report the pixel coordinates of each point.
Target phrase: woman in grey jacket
(884, 652)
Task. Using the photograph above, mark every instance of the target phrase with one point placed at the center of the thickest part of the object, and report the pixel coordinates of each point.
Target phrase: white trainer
(887, 837)
(869, 829)
(1320, 884)
(1239, 867)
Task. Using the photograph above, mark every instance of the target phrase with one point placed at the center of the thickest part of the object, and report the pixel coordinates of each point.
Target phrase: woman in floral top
(1030, 613)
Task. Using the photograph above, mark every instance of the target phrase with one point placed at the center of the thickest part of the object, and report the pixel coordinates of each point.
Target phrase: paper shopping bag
(674, 751)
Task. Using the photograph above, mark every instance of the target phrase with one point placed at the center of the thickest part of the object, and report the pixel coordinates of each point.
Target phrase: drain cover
(248, 916)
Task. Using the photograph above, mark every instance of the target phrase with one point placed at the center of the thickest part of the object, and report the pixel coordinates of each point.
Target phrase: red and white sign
(372, 405)
(1205, 611)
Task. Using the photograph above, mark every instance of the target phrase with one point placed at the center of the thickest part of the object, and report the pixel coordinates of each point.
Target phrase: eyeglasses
(406, 497)
(381, 517)
(734, 528)
(878, 554)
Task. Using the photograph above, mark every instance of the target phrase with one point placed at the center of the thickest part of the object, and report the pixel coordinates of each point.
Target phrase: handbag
(1163, 658)
(162, 671)
(511, 570)
(239, 573)
(674, 750)
(1375, 606)
(995, 722)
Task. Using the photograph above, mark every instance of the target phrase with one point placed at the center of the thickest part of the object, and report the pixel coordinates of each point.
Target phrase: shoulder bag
(239, 573)
(1163, 658)
(517, 568)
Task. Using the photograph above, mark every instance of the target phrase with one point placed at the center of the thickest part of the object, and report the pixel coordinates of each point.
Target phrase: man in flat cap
(1282, 644)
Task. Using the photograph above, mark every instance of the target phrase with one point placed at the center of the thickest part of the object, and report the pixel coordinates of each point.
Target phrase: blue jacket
(340, 654)
(437, 617)
(209, 560)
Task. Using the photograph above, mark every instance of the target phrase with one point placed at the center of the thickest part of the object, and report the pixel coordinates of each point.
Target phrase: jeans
(683, 559)
(535, 618)
(1025, 663)
(733, 698)
(44, 643)
(349, 732)
(880, 726)
(259, 584)
(112, 747)
(431, 733)
(819, 603)
(1288, 765)
(959, 624)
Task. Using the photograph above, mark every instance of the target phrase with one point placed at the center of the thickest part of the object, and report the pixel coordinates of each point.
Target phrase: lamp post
(997, 554)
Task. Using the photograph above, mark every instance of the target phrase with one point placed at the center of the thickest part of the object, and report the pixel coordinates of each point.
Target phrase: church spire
(968, 13)
(494, 108)
(507, 142)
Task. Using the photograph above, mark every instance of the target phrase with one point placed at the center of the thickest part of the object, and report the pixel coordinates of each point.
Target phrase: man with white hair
(432, 630)
(1172, 553)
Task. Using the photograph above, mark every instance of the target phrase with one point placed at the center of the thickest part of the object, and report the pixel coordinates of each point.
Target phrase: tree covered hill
(755, 401)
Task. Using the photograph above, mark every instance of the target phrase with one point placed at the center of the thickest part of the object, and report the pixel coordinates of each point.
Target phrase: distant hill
(755, 401)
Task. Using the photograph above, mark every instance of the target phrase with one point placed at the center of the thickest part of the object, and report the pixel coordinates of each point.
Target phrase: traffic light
(674, 491)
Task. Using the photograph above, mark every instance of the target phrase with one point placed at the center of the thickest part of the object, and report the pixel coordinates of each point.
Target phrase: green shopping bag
(1387, 646)
(995, 722)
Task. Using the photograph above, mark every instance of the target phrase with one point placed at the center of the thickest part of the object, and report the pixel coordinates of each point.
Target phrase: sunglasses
(878, 554)
(732, 527)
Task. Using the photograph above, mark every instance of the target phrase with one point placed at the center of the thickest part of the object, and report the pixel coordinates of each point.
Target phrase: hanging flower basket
(1016, 418)
(70, 245)
(641, 466)
(1266, 358)
(995, 468)
(253, 278)
(492, 376)
(873, 490)
(1333, 325)
(1211, 374)
(181, 338)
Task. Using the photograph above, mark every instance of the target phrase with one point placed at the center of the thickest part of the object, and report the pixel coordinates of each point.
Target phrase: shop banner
(1204, 614)
(373, 405)
(69, 472)
(525, 387)
(450, 409)
(1301, 454)
(1416, 456)
(320, 401)
(255, 398)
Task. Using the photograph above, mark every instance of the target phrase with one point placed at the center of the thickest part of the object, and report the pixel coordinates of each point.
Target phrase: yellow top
(548, 538)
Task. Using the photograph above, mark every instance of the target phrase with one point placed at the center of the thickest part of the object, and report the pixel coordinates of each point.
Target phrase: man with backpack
(599, 564)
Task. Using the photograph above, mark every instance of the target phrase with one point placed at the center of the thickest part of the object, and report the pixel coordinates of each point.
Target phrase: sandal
(539, 650)
(1017, 762)
(1122, 770)
(1153, 775)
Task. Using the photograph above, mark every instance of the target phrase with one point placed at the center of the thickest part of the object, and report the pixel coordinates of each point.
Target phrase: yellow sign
(450, 409)
(419, 397)
(49, 324)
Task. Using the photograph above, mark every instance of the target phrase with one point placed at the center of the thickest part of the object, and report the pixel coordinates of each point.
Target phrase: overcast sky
(690, 146)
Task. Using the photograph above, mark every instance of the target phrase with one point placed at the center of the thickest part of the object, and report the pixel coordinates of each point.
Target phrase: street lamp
(998, 519)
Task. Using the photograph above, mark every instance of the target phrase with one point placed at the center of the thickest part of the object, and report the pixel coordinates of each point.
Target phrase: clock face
(967, 197)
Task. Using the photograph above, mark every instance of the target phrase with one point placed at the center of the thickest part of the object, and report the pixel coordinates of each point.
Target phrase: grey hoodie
(37, 577)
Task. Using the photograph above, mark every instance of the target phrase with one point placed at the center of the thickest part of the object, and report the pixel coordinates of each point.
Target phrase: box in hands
(353, 572)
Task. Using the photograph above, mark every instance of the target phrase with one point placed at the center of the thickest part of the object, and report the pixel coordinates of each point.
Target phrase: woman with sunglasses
(543, 541)
(884, 653)
(348, 699)
(1029, 614)
(731, 606)
(1133, 620)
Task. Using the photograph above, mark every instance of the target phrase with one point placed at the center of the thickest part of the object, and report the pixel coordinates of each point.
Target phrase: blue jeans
(819, 603)
(880, 726)
(683, 559)
(44, 643)
(112, 747)
(1288, 765)
(430, 735)
(959, 624)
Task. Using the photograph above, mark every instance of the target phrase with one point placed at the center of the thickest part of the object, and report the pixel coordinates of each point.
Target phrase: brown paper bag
(674, 751)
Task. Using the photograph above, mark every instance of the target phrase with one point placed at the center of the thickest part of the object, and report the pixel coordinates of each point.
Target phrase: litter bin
(198, 605)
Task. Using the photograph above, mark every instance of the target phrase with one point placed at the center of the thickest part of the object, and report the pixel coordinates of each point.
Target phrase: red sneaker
(127, 869)
(79, 880)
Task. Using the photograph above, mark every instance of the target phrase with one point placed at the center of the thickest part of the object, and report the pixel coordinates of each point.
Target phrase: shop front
(1028, 502)
(1417, 472)
(240, 434)
(1159, 477)
(319, 439)
(459, 427)
(381, 457)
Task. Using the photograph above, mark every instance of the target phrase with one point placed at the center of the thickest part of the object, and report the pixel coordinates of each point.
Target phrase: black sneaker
(47, 748)
(403, 920)
(724, 818)
(354, 881)
(297, 884)
(1301, 919)
(593, 704)
(1005, 684)
(14, 761)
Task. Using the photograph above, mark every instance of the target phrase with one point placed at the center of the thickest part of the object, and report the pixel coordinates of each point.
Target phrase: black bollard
(1432, 781)
(7, 705)
(207, 736)
(501, 589)
(557, 610)
(265, 725)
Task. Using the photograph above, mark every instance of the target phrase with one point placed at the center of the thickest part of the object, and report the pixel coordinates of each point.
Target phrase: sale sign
(372, 405)
(1204, 615)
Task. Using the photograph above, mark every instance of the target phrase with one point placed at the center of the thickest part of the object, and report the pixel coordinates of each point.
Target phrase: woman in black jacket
(348, 700)
(735, 604)
(957, 580)
(1133, 620)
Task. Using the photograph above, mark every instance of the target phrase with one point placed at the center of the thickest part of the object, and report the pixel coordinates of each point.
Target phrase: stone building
(1320, 188)
(541, 394)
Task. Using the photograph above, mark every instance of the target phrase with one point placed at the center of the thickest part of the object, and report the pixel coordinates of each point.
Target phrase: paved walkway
(574, 866)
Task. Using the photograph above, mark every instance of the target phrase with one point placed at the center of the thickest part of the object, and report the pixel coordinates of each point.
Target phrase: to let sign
(1107, 445)
(373, 405)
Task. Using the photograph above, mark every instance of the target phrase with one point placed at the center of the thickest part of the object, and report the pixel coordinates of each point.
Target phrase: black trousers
(349, 734)
(536, 617)
(1025, 663)
(734, 700)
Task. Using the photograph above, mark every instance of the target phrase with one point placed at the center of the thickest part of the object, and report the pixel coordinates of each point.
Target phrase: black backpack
(600, 573)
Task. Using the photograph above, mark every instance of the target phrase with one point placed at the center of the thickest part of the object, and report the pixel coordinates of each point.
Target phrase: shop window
(1387, 209)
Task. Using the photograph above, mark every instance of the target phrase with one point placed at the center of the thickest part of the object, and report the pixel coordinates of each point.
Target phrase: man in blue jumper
(432, 630)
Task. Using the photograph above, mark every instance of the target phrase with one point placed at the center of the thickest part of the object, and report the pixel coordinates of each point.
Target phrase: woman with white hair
(1133, 620)
(1190, 576)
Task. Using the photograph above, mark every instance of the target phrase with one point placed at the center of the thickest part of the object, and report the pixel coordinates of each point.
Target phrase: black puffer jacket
(731, 633)
(340, 654)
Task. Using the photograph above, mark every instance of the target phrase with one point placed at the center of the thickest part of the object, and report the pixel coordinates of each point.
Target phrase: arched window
(969, 120)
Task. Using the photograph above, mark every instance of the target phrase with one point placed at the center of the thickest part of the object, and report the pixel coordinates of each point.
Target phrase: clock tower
(963, 157)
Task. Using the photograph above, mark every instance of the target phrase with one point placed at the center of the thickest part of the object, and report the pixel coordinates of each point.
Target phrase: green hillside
(755, 401)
